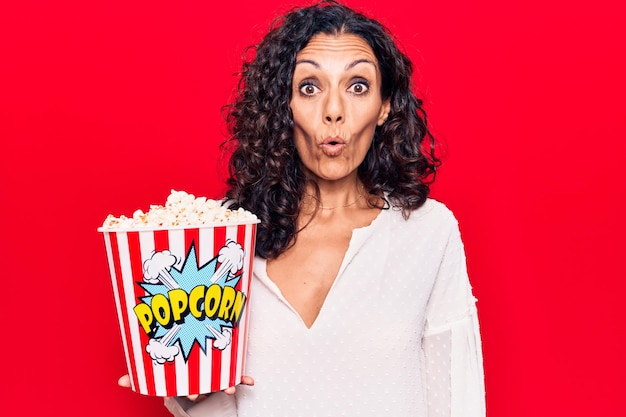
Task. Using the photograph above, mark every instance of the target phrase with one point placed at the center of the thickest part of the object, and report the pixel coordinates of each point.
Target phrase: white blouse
(397, 335)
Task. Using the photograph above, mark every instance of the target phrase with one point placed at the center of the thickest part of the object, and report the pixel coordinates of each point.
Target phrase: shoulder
(432, 224)
(437, 209)
(432, 212)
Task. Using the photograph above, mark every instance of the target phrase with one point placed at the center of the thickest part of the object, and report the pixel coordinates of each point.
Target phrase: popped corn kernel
(180, 209)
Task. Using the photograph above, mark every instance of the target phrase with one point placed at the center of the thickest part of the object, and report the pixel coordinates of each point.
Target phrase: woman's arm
(453, 363)
(217, 404)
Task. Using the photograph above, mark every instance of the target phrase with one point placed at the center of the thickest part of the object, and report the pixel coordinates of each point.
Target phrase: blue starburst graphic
(192, 330)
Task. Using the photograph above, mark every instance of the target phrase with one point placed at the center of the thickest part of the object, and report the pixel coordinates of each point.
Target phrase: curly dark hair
(265, 171)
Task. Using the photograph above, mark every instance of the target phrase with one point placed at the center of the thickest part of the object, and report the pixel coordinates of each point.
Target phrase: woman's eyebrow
(308, 61)
(359, 61)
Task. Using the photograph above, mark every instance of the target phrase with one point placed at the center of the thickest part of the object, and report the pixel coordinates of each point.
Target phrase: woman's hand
(124, 381)
(245, 380)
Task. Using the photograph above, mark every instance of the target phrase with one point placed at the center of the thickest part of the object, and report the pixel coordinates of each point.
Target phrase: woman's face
(336, 104)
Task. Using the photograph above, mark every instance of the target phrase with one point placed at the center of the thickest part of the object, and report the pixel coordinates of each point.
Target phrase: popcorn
(181, 209)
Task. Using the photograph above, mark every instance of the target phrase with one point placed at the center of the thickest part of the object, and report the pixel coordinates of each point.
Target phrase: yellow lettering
(228, 299)
(196, 297)
(235, 314)
(161, 309)
(212, 301)
(144, 314)
(224, 303)
(179, 301)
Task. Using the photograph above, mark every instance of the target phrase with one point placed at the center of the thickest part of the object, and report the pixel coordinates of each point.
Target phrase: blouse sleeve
(454, 379)
(216, 404)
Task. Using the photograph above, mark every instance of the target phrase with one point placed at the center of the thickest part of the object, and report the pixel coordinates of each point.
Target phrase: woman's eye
(308, 89)
(359, 87)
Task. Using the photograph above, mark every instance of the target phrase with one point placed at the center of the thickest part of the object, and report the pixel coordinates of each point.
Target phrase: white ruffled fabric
(454, 373)
(453, 362)
(217, 404)
(397, 335)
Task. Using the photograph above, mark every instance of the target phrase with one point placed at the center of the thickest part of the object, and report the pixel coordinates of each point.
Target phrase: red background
(106, 106)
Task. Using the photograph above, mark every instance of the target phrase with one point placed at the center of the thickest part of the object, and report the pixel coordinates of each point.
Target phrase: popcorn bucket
(182, 302)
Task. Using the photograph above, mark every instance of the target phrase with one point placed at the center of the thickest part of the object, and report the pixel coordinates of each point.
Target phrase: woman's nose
(334, 108)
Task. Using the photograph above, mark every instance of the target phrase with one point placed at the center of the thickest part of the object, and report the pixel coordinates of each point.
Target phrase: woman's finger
(124, 381)
(247, 380)
(196, 397)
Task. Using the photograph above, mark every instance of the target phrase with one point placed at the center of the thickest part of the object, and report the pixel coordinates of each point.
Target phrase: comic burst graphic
(193, 305)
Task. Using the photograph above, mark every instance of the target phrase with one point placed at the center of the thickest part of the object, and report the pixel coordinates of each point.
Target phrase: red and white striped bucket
(182, 302)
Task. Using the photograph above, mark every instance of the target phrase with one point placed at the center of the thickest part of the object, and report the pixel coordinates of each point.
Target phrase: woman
(361, 303)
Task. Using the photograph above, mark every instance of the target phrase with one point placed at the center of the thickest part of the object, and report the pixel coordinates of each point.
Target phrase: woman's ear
(384, 112)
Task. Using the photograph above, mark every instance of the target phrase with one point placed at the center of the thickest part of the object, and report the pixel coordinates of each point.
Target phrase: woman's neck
(335, 195)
